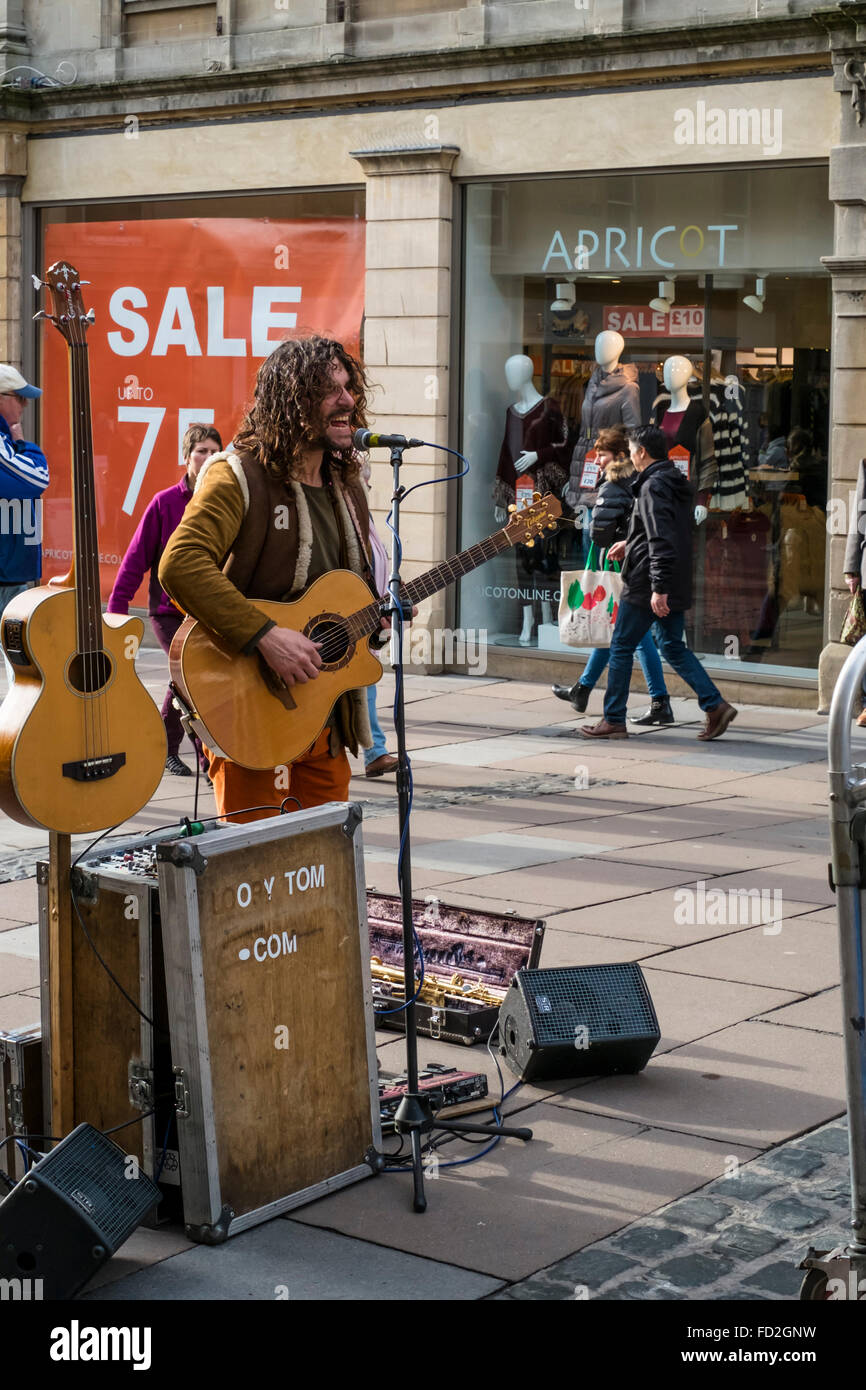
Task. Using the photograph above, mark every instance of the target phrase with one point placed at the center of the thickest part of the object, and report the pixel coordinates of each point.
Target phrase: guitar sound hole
(89, 672)
(332, 637)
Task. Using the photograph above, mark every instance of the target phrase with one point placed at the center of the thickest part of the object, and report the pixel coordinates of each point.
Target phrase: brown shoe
(604, 730)
(379, 766)
(718, 720)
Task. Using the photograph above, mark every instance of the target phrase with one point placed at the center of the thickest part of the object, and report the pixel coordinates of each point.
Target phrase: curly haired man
(283, 506)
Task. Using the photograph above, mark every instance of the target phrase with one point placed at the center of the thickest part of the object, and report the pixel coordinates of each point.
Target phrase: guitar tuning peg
(37, 283)
(80, 283)
(89, 317)
(43, 314)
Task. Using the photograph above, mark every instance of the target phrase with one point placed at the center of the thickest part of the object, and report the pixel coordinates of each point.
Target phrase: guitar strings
(87, 579)
(101, 661)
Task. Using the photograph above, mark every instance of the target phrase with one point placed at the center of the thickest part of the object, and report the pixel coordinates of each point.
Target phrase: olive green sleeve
(190, 570)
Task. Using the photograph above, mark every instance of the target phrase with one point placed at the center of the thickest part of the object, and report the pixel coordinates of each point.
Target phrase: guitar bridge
(94, 769)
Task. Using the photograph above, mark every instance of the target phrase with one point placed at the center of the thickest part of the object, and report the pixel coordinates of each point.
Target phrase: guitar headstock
(64, 285)
(530, 520)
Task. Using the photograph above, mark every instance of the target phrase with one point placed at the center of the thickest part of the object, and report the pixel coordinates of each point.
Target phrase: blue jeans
(632, 624)
(650, 665)
(379, 744)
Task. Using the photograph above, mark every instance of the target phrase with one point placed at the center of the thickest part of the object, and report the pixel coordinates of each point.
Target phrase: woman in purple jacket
(160, 520)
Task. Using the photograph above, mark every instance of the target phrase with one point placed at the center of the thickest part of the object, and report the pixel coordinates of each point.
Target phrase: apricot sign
(186, 309)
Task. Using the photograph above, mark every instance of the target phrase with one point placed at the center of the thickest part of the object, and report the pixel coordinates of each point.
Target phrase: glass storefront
(721, 269)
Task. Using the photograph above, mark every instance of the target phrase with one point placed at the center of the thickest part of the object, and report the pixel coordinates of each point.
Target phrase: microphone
(367, 439)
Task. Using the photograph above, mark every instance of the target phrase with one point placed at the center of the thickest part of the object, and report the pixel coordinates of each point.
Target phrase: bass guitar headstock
(64, 286)
(530, 520)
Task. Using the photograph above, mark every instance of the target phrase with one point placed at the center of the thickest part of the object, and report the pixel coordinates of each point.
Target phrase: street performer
(283, 506)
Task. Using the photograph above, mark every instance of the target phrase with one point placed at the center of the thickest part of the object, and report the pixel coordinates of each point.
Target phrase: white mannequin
(609, 348)
(678, 372)
(518, 374)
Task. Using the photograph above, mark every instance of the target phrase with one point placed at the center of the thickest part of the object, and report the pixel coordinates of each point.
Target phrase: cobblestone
(746, 1247)
(702, 1212)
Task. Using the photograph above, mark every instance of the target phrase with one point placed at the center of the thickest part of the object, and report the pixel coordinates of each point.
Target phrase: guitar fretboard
(88, 603)
(368, 619)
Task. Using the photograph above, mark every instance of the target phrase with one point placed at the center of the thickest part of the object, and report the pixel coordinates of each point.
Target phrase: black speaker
(585, 1020)
(69, 1214)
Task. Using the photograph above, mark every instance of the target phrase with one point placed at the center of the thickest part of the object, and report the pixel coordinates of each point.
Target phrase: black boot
(577, 695)
(659, 712)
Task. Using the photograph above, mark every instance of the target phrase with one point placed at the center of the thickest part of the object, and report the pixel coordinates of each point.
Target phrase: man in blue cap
(23, 479)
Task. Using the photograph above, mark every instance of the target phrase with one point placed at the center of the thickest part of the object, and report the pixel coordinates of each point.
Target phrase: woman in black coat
(610, 520)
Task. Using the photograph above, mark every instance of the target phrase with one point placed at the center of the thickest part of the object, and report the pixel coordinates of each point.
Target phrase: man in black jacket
(656, 586)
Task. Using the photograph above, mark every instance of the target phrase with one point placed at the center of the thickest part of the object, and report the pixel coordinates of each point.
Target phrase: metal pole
(847, 836)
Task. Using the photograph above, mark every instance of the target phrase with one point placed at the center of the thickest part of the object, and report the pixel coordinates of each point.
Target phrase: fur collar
(619, 469)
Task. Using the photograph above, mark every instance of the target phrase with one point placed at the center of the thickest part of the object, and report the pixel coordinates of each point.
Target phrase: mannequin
(683, 420)
(612, 398)
(533, 448)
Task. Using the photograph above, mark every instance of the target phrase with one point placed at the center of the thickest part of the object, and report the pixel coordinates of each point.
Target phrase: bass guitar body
(82, 744)
(241, 710)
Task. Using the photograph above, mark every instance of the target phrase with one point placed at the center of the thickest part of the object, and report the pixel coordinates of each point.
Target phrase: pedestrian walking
(159, 522)
(23, 479)
(656, 578)
(610, 521)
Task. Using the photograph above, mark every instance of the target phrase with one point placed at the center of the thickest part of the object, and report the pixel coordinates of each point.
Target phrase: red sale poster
(185, 311)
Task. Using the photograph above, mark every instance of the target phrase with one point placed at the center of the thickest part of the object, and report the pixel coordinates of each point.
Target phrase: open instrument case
(470, 959)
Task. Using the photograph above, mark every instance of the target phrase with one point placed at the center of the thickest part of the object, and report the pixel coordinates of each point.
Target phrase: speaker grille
(610, 1001)
(89, 1170)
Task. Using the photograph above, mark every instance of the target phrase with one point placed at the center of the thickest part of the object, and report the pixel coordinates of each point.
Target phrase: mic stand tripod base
(414, 1116)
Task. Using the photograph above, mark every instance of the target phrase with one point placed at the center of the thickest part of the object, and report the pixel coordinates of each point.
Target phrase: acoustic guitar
(82, 744)
(241, 709)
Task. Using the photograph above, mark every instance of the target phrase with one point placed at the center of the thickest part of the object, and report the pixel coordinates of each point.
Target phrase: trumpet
(435, 992)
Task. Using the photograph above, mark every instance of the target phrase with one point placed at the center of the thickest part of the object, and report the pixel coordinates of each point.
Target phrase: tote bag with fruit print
(589, 603)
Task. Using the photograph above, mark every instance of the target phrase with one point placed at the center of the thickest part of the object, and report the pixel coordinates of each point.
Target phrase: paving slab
(145, 1248)
(792, 954)
(822, 1012)
(571, 883)
(513, 1210)
(484, 854)
(575, 948)
(801, 880)
(698, 1009)
(18, 900)
(669, 916)
(285, 1260)
(752, 1084)
(17, 972)
(711, 857)
(20, 1010)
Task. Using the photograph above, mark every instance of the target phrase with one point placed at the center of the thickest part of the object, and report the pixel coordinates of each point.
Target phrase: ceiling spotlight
(756, 301)
(666, 297)
(566, 296)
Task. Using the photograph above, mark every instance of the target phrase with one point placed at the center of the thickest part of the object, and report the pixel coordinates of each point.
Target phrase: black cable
(145, 1115)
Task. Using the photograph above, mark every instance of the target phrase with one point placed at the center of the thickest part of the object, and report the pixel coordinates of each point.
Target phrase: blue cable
(164, 1150)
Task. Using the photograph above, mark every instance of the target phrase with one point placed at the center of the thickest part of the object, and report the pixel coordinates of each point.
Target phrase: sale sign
(185, 310)
(637, 321)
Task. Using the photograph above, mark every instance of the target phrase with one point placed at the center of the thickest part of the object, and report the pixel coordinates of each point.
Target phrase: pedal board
(446, 1087)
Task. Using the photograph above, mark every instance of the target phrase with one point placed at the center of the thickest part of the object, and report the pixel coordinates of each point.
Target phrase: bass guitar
(243, 711)
(82, 744)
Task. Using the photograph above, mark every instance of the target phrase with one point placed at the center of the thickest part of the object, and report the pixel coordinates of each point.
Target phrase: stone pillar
(407, 327)
(13, 167)
(847, 266)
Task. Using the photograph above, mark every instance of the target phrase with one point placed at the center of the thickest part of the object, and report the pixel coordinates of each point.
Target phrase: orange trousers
(313, 779)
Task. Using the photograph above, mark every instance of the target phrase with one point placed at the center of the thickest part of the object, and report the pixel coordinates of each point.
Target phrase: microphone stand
(414, 1115)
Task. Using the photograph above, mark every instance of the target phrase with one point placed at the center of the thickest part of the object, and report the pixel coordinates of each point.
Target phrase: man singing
(282, 507)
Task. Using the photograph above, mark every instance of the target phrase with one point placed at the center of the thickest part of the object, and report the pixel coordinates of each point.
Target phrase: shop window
(737, 291)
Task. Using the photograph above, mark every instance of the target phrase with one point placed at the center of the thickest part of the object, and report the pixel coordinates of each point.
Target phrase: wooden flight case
(20, 1096)
(247, 946)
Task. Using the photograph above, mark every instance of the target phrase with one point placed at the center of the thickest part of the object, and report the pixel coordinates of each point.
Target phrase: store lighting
(566, 297)
(666, 297)
(756, 301)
